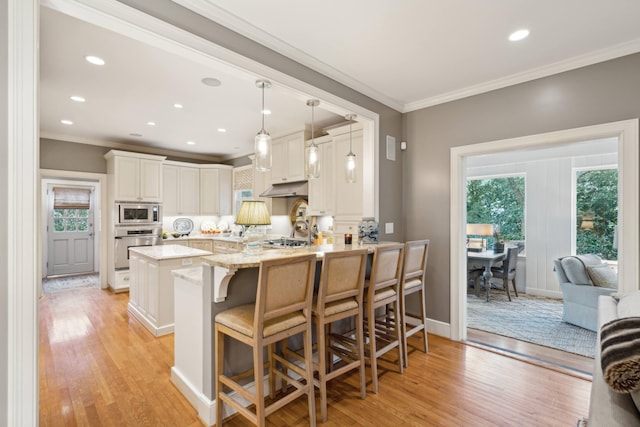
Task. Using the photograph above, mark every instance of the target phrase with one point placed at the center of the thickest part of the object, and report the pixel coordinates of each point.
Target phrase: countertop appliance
(285, 242)
(130, 236)
(138, 213)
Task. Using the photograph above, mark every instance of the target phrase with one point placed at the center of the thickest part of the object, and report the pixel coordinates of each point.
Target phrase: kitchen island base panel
(151, 327)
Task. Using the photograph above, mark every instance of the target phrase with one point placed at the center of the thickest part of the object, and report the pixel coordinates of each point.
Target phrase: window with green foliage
(497, 201)
(597, 212)
(70, 220)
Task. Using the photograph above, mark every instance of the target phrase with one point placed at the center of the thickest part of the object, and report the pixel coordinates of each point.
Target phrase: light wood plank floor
(100, 367)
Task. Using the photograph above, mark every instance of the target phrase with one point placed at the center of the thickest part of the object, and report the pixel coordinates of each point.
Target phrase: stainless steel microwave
(139, 213)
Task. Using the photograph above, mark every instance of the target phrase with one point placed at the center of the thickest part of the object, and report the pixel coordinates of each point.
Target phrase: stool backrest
(342, 276)
(386, 269)
(285, 286)
(415, 260)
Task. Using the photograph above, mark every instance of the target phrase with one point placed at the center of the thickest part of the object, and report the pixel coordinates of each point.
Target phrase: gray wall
(600, 93)
(390, 195)
(4, 220)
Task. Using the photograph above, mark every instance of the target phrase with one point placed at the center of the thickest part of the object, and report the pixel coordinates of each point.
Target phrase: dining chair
(507, 272)
(382, 290)
(282, 309)
(340, 345)
(413, 282)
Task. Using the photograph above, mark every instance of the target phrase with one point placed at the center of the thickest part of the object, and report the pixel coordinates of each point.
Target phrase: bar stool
(282, 309)
(413, 271)
(383, 290)
(340, 297)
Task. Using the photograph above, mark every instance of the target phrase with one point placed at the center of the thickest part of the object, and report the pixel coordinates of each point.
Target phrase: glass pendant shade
(312, 161)
(262, 145)
(350, 164)
(263, 151)
(351, 167)
(311, 153)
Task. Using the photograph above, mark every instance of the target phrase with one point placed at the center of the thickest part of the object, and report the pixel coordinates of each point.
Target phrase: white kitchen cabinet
(288, 158)
(181, 189)
(216, 195)
(321, 189)
(227, 246)
(349, 202)
(134, 177)
(202, 244)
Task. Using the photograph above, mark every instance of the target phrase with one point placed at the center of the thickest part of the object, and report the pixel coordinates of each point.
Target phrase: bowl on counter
(176, 234)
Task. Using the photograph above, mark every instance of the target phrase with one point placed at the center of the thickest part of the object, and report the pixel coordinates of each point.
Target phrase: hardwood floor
(100, 367)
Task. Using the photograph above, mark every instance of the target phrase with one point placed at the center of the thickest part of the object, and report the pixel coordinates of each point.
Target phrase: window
(70, 220)
(498, 201)
(597, 212)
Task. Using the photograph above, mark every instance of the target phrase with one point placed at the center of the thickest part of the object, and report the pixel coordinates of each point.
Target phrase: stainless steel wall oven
(130, 236)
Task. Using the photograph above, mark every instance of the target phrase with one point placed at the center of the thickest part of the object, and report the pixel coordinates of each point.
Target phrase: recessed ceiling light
(210, 81)
(151, 123)
(222, 130)
(94, 60)
(178, 105)
(66, 122)
(77, 98)
(519, 35)
(137, 135)
(191, 143)
(266, 112)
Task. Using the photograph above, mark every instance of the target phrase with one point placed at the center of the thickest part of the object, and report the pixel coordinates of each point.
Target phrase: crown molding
(627, 48)
(129, 147)
(240, 26)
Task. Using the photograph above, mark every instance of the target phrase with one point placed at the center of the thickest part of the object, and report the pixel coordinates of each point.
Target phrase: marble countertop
(245, 260)
(170, 239)
(160, 252)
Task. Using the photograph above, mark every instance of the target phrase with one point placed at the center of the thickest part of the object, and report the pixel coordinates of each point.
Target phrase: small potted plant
(498, 246)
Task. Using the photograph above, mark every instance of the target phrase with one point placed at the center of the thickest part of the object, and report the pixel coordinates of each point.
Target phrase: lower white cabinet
(151, 291)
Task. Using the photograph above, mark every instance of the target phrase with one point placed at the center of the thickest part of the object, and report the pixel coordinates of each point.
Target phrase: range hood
(287, 189)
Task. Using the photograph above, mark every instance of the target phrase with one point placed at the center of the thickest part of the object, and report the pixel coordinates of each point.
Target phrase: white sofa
(608, 408)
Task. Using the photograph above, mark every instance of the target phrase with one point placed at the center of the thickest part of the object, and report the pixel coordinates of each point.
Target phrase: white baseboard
(439, 328)
(156, 331)
(207, 408)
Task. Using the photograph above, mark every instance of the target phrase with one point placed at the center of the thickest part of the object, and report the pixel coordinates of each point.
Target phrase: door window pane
(70, 220)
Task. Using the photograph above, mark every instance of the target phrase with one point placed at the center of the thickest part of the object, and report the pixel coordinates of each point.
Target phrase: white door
(70, 230)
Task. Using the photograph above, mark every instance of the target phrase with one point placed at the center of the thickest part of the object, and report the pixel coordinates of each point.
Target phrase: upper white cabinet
(181, 189)
(134, 177)
(321, 189)
(288, 158)
(349, 201)
(216, 195)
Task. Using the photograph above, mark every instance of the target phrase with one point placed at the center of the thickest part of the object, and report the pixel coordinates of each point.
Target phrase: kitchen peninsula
(220, 283)
(151, 285)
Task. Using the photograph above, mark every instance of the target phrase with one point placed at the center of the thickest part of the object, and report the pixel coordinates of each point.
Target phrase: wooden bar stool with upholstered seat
(413, 271)
(282, 309)
(383, 290)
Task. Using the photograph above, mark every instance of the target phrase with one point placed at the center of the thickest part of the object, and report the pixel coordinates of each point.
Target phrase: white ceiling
(407, 54)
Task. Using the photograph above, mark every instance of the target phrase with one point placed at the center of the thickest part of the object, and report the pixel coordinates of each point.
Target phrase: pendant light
(263, 139)
(311, 155)
(351, 158)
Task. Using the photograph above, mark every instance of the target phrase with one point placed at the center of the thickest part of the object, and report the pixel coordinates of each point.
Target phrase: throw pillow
(629, 304)
(620, 354)
(574, 269)
(602, 275)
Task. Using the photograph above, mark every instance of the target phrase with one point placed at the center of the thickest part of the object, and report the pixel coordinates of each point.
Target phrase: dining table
(486, 259)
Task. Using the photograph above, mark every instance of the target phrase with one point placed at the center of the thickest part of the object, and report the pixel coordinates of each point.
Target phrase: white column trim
(22, 242)
(629, 213)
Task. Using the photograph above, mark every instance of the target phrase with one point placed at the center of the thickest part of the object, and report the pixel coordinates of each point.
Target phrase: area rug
(57, 284)
(529, 318)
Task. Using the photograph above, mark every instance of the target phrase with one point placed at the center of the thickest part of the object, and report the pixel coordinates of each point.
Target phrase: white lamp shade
(253, 212)
(479, 229)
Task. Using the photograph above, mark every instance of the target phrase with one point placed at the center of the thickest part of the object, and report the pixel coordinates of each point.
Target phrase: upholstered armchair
(583, 278)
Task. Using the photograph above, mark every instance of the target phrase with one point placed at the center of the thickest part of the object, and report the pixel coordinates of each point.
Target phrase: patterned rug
(528, 318)
(65, 283)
